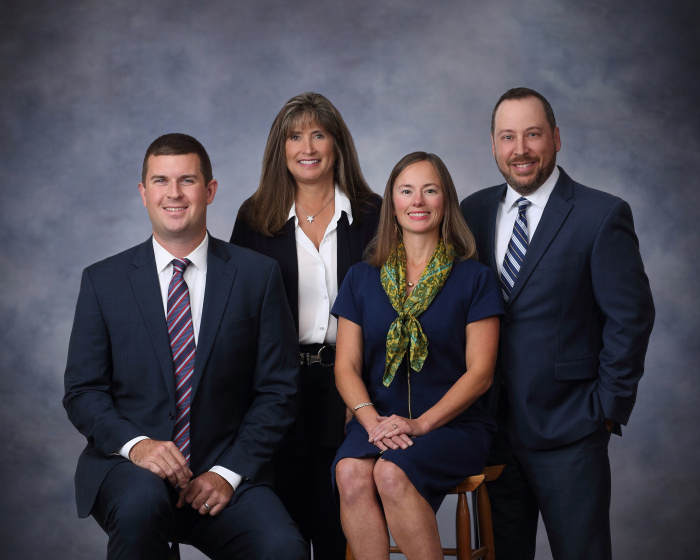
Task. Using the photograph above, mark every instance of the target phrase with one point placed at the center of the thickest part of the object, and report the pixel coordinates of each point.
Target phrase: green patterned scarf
(406, 328)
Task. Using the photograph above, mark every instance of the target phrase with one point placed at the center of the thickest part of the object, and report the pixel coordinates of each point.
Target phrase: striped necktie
(182, 344)
(517, 247)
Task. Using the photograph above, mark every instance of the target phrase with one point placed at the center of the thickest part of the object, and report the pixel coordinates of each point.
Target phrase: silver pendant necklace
(310, 218)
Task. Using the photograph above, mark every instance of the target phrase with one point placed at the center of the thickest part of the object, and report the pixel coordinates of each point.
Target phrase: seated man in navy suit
(579, 313)
(182, 375)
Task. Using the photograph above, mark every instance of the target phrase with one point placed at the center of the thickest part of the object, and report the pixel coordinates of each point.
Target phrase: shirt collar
(342, 204)
(198, 257)
(539, 197)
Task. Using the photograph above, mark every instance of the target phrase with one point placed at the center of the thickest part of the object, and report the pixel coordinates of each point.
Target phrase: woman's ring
(395, 426)
(206, 505)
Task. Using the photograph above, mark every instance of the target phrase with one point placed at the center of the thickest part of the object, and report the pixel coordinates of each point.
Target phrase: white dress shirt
(318, 277)
(508, 211)
(196, 279)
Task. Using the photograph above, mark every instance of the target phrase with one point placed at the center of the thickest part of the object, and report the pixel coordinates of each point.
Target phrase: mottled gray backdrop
(86, 86)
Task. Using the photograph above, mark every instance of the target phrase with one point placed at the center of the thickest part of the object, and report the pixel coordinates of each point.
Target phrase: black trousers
(303, 463)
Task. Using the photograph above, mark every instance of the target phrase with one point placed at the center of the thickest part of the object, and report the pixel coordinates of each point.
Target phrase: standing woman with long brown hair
(314, 213)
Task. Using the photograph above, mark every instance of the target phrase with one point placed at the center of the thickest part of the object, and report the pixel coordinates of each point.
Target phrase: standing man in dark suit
(579, 313)
(182, 375)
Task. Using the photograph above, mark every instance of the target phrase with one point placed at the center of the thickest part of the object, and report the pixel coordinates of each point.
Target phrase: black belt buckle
(318, 358)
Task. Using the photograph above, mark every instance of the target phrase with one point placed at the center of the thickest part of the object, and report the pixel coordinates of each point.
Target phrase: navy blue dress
(441, 459)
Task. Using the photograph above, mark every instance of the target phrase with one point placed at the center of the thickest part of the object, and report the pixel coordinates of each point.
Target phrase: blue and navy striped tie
(517, 247)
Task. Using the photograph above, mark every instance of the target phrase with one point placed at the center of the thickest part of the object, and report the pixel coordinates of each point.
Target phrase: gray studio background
(86, 86)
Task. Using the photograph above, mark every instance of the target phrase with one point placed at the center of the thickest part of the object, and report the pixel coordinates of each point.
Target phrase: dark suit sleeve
(275, 400)
(88, 377)
(622, 293)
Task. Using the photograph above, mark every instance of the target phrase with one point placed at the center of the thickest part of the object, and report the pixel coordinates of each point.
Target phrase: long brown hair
(268, 208)
(454, 229)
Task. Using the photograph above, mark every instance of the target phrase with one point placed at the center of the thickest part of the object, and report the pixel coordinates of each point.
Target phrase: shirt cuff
(124, 451)
(234, 479)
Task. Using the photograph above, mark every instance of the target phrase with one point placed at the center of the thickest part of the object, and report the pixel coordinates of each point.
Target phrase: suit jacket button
(172, 416)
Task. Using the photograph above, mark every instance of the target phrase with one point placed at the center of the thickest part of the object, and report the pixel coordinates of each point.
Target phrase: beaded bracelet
(359, 406)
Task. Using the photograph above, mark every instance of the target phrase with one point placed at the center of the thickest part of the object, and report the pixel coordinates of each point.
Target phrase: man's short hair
(178, 144)
(522, 93)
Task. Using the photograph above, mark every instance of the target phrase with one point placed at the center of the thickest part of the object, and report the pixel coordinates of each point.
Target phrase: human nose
(174, 190)
(308, 145)
(418, 199)
(520, 145)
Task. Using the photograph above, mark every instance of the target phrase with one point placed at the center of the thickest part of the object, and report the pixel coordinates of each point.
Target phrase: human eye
(507, 137)
(294, 136)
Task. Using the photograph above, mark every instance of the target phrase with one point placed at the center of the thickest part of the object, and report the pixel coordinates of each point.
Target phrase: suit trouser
(569, 486)
(137, 510)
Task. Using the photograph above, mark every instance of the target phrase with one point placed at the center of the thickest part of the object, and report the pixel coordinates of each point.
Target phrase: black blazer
(352, 240)
(119, 378)
(576, 328)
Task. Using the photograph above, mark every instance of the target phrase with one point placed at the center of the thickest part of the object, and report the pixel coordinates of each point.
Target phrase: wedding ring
(206, 505)
(395, 426)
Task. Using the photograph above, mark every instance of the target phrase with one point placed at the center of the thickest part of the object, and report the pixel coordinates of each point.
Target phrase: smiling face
(310, 154)
(419, 200)
(176, 197)
(524, 144)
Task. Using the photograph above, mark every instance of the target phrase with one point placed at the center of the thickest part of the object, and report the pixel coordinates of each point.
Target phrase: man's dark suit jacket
(352, 240)
(119, 376)
(576, 328)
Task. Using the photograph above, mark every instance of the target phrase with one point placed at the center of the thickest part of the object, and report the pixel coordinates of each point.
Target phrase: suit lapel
(490, 237)
(288, 254)
(144, 281)
(344, 252)
(221, 272)
(554, 215)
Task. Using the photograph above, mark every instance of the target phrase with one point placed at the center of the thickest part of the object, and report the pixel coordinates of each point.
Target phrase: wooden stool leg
(463, 529)
(485, 523)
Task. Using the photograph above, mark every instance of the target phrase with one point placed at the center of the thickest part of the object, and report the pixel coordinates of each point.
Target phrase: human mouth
(419, 214)
(309, 161)
(175, 208)
(523, 165)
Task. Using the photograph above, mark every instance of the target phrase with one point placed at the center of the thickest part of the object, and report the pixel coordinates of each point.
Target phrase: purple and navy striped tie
(182, 344)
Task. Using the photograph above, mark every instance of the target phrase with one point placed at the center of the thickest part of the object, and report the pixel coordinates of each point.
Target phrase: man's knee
(286, 542)
(256, 525)
(135, 500)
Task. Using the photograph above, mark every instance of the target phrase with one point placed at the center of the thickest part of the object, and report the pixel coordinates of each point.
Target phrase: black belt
(317, 354)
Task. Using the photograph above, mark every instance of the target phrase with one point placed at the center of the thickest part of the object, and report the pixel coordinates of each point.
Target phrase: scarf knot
(405, 333)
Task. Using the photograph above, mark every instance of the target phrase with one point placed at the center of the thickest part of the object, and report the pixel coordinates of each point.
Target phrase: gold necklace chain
(412, 282)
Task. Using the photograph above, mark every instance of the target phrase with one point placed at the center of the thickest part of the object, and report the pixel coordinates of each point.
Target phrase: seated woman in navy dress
(416, 348)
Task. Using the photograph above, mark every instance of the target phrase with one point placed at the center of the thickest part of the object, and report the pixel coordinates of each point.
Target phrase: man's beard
(526, 187)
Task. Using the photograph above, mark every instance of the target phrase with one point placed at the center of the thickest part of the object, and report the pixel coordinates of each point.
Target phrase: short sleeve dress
(441, 459)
